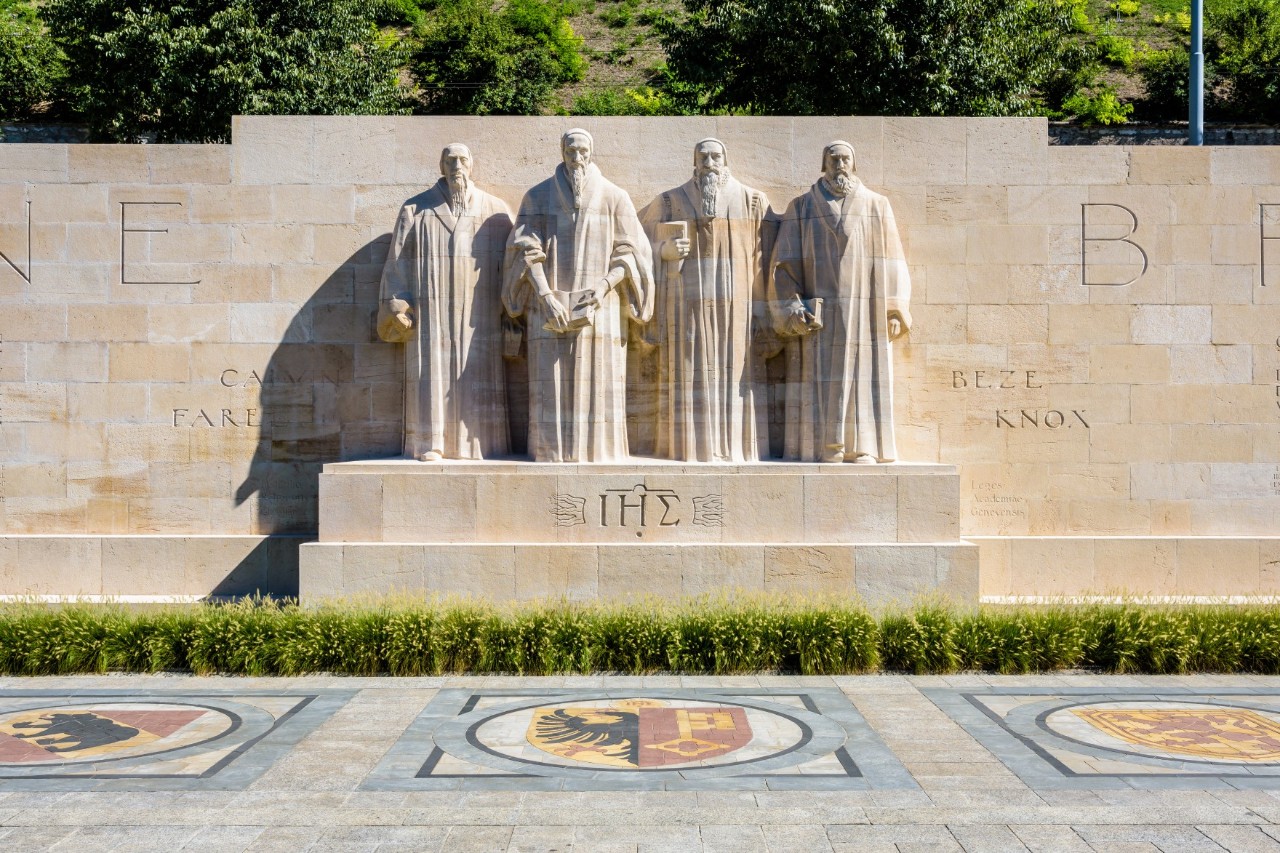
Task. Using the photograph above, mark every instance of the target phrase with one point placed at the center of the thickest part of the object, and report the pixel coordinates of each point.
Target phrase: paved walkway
(876, 763)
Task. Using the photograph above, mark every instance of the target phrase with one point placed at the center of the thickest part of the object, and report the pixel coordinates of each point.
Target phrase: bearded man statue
(709, 234)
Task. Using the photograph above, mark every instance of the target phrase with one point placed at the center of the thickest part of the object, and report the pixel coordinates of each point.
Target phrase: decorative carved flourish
(708, 511)
(568, 510)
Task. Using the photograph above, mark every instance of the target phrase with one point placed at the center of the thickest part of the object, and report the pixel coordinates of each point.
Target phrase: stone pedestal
(517, 530)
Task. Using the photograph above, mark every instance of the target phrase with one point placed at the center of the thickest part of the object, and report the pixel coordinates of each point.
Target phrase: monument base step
(877, 573)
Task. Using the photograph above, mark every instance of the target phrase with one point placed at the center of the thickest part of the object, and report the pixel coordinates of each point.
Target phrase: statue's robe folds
(449, 269)
(704, 325)
(839, 396)
(577, 379)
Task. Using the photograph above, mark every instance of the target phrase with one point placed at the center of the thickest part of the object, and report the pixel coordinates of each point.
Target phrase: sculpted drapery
(707, 235)
(440, 297)
(577, 233)
(839, 243)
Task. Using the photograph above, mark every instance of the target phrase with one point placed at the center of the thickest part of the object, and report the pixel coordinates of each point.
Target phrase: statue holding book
(578, 270)
(708, 235)
(840, 292)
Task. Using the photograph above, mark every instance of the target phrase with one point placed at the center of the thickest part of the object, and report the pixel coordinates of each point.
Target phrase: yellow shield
(1233, 734)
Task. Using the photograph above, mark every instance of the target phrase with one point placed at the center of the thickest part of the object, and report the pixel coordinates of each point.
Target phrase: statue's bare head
(838, 166)
(455, 161)
(710, 156)
(576, 146)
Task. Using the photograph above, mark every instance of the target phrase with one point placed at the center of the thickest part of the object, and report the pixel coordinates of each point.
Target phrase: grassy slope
(623, 49)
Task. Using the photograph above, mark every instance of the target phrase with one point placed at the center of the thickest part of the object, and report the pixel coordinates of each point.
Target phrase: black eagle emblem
(70, 732)
(610, 732)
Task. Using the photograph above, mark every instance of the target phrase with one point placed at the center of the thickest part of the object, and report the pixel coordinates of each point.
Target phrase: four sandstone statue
(706, 276)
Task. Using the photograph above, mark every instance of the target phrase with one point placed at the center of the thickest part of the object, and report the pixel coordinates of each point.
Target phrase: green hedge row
(713, 637)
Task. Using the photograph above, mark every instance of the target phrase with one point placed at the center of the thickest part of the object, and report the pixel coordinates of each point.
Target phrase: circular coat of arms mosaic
(640, 734)
(1163, 729)
(73, 733)
(649, 735)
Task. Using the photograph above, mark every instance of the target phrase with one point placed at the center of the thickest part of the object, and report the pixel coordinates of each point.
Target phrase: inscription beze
(637, 506)
(125, 230)
(1090, 239)
(984, 379)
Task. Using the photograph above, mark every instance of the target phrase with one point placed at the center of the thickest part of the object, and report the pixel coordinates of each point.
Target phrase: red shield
(690, 735)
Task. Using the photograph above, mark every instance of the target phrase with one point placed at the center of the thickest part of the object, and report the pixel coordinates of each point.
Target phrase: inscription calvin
(1087, 238)
(125, 230)
(636, 507)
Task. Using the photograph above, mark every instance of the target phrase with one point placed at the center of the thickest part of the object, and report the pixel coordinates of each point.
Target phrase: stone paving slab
(955, 763)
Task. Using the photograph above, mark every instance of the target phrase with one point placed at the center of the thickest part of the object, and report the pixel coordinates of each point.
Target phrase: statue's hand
(397, 322)
(675, 250)
(556, 310)
(897, 328)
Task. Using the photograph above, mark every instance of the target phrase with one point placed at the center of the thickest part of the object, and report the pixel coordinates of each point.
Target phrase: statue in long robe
(708, 235)
(578, 269)
(440, 297)
(841, 291)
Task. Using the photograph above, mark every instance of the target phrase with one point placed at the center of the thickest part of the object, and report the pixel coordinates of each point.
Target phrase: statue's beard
(710, 180)
(578, 180)
(458, 187)
(841, 184)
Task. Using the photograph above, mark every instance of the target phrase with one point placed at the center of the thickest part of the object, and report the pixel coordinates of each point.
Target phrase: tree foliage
(476, 59)
(30, 62)
(878, 57)
(180, 69)
(1245, 49)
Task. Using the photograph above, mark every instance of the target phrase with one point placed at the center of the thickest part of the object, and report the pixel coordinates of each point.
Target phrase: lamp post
(1195, 122)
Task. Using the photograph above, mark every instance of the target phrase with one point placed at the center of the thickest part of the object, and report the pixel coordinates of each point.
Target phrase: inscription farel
(637, 506)
(983, 379)
(1040, 418)
(1090, 238)
(240, 418)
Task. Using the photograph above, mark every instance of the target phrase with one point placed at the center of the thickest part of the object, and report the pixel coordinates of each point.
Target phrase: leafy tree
(1244, 41)
(180, 69)
(30, 62)
(879, 57)
(475, 59)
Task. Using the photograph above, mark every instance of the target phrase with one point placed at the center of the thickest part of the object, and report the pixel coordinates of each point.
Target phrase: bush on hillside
(180, 69)
(31, 65)
(477, 59)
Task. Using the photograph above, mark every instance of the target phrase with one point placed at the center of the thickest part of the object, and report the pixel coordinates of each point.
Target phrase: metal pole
(1195, 123)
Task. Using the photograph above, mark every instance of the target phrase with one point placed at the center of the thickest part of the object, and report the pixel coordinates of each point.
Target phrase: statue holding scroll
(440, 298)
(578, 269)
(840, 289)
(708, 236)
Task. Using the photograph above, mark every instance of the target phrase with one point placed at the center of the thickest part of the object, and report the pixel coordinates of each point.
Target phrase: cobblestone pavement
(874, 763)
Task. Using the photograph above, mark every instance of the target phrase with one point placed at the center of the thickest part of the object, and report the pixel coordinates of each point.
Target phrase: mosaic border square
(639, 739)
(1096, 738)
(80, 740)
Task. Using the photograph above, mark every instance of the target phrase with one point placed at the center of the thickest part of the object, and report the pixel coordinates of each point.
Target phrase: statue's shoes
(429, 456)
(864, 459)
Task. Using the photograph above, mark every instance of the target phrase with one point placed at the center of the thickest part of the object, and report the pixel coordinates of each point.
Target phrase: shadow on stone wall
(330, 392)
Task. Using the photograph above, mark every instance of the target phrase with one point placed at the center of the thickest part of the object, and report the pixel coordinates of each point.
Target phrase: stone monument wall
(187, 333)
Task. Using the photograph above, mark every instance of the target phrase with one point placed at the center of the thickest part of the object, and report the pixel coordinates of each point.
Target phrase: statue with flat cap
(578, 271)
(441, 289)
(708, 236)
(840, 290)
